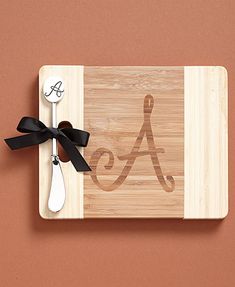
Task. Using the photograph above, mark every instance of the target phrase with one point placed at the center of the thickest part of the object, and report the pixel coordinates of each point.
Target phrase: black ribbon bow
(38, 133)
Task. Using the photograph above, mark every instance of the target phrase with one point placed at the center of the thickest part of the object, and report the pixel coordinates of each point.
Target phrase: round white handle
(53, 89)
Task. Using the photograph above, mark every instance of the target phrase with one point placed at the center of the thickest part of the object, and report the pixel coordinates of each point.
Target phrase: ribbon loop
(29, 124)
(38, 133)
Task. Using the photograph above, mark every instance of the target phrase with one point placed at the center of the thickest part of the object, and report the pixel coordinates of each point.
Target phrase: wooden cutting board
(158, 146)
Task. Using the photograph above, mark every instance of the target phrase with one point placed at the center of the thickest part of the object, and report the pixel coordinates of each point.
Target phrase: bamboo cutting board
(158, 145)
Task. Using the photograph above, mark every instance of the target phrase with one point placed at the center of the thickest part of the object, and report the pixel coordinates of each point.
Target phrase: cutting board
(158, 146)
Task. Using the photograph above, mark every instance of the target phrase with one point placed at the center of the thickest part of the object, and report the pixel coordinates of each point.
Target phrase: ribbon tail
(74, 155)
(26, 140)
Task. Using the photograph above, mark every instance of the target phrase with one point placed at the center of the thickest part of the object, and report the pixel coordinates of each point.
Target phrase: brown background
(35, 252)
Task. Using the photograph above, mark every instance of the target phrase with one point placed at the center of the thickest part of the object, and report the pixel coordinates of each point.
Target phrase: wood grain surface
(136, 119)
(206, 142)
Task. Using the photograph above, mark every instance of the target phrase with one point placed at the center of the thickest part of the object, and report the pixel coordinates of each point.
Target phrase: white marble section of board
(206, 142)
(69, 109)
